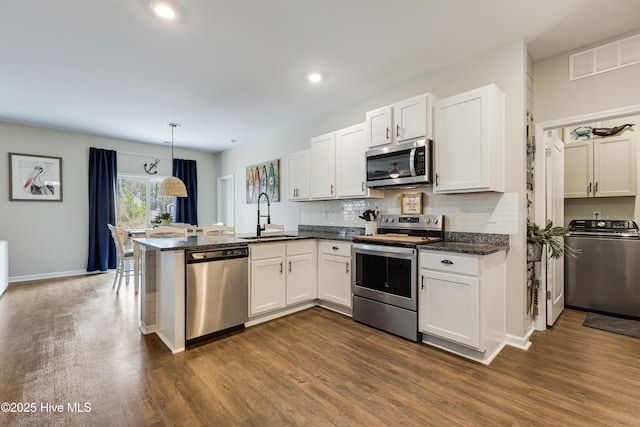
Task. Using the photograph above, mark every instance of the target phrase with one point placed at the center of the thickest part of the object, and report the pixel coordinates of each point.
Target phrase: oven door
(386, 274)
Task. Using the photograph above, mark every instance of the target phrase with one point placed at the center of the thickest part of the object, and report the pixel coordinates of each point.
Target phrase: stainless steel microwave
(402, 164)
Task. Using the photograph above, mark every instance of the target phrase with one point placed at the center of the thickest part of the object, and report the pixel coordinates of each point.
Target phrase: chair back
(219, 231)
(191, 229)
(119, 238)
(167, 231)
(273, 229)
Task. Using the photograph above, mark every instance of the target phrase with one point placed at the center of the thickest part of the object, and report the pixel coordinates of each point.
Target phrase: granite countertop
(468, 243)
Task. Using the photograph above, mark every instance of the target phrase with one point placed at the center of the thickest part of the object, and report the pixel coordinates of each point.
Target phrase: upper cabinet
(469, 142)
(604, 167)
(298, 175)
(323, 166)
(402, 121)
(351, 144)
(337, 165)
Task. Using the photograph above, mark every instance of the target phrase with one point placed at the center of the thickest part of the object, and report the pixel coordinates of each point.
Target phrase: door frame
(540, 196)
(226, 181)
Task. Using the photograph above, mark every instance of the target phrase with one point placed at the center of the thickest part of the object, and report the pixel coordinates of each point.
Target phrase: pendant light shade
(172, 186)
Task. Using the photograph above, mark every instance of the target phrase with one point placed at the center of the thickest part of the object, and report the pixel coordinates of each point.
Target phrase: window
(138, 201)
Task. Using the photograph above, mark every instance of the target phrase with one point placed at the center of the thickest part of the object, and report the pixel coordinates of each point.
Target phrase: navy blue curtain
(187, 207)
(103, 171)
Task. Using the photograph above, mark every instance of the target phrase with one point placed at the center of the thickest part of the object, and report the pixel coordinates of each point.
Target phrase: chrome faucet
(268, 216)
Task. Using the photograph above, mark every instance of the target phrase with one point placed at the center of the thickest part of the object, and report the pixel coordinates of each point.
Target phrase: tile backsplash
(472, 212)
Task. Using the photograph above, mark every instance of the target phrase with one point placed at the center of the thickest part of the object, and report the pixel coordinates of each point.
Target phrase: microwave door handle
(412, 162)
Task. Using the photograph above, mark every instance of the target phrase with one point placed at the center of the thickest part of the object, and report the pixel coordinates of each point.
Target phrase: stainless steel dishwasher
(217, 291)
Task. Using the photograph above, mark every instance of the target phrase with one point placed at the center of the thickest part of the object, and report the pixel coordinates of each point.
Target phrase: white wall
(49, 239)
(506, 67)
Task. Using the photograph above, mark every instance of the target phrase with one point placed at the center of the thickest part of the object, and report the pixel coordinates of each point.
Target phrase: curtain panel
(103, 172)
(187, 207)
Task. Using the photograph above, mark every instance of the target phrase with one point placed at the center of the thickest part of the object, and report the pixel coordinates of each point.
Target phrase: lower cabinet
(334, 278)
(281, 274)
(462, 303)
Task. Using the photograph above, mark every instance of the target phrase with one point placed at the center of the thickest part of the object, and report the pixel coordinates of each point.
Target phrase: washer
(605, 275)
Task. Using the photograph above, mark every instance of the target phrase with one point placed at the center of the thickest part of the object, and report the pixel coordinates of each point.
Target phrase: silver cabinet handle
(363, 186)
(422, 275)
(398, 131)
(437, 180)
(388, 133)
(589, 190)
(289, 266)
(280, 268)
(446, 261)
(347, 264)
(335, 248)
(331, 188)
(595, 189)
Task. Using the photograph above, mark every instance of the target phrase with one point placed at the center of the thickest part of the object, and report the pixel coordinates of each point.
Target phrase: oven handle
(381, 250)
(412, 162)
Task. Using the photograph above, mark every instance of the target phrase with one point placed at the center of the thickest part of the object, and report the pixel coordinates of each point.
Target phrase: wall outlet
(597, 215)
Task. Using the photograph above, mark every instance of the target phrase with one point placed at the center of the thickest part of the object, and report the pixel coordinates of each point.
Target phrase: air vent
(601, 59)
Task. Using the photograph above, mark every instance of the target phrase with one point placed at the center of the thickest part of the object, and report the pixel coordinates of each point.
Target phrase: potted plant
(163, 218)
(551, 236)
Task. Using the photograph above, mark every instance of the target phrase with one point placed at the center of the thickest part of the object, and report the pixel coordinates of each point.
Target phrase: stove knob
(428, 220)
(435, 220)
(386, 220)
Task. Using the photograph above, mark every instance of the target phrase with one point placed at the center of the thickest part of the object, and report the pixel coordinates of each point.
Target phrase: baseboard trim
(522, 343)
(56, 275)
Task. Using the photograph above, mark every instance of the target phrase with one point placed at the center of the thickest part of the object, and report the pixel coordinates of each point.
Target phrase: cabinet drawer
(265, 251)
(454, 263)
(302, 247)
(335, 248)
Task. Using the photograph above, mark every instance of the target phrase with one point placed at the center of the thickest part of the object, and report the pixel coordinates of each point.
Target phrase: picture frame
(411, 203)
(268, 181)
(35, 178)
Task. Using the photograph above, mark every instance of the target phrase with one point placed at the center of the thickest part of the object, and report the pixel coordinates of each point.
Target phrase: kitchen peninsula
(163, 287)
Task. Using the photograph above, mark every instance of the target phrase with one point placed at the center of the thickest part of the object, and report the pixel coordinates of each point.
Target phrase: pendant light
(172, 186)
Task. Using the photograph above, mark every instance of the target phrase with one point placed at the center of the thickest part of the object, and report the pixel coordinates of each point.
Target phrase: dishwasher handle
(217, 255)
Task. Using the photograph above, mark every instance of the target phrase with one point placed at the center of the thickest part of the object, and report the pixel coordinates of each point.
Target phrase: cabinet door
(449, 307)
(578, 169)
(298, 176)
(267, 291)
(379, 124)
(334, 282)
(350, 161)
(323, 166)
(301, 274)
(469, 154)
(410, 118)
(614, 167)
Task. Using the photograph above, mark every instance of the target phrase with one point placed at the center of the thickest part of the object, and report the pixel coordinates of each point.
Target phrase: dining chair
(273, 230)
(191, 229)
(125, 257)
(219, 231)
(167, 231)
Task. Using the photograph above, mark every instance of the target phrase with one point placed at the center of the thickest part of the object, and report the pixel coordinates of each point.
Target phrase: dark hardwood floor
(75, 341)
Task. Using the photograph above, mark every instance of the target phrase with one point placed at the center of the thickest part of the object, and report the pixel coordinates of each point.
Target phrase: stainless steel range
(385, 276)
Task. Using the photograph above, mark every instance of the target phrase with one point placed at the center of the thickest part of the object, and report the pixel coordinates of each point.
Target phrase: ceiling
(235, 70)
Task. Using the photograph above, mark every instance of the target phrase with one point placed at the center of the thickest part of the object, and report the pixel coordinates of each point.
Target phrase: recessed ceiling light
(164, 11)
(314, 77)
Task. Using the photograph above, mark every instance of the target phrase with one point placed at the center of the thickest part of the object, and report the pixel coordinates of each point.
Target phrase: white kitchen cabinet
(267, 279)
(405, 120)
(334, 275)
(281, 274)
(298, 175)
(604, 167)
(301, 271)
(351, 174)
(323, 166)
(462, 303)
(469, 142)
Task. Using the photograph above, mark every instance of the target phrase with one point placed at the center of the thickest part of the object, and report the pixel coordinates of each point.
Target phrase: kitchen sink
(267, 237)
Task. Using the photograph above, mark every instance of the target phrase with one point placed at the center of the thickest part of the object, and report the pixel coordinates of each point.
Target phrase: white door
(350, 162)
(225, 201)
(323, 166)
(555, 213)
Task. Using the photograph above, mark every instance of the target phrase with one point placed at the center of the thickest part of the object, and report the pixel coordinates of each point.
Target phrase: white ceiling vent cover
(610, 56)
